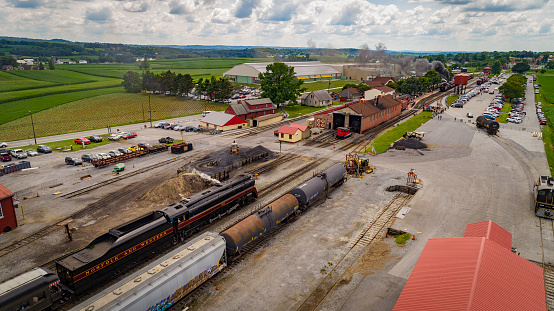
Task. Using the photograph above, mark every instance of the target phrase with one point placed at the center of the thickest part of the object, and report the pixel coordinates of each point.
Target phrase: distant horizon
(239, 47)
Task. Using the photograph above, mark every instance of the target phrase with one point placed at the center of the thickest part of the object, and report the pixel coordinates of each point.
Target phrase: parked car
(125, 151)
(168, 126)
(144, 145)
(161, 124)
(103, 156)
(19, 153)
(82, 140)
(114, 153)
(129, 135)
(44, 149)
(73, 161)
(179, 128)
(96, 139)
(115, 136)
(542, 122)
(89, 157)
(166, 140)
(134, 148)
(3, 145)
(5, 157)
(31, 152)
(470, 115)
(514, 120)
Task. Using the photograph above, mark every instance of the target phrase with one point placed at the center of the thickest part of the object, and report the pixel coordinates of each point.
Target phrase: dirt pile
(410, 143)
(373, 259)
(176, 189)
(223, 159)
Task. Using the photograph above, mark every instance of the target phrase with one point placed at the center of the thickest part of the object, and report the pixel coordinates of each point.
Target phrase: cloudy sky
(420, 25)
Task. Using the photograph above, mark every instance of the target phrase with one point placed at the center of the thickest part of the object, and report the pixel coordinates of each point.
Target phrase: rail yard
(324, 240)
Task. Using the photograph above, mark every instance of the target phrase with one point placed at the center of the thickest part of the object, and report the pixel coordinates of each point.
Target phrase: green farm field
(320, 85)
(100, 111)
(547, 87)
(9, 82)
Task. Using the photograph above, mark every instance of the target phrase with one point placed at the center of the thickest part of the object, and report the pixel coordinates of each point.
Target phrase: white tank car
(177, 274)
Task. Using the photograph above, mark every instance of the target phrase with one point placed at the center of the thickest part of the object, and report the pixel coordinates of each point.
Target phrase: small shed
(8, 220)
(289, 134)
(317, 99)
(306, 132)
(222, 121)
(267, 119)
(350, 93)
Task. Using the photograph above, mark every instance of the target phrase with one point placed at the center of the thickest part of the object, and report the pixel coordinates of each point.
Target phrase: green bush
(402, 238)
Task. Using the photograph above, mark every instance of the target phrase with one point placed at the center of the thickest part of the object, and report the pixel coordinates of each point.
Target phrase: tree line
(514, 87)
(415, 86)
(217, 89)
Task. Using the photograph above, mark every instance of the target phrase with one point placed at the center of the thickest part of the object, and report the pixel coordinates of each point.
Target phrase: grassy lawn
(383, 142)
(18, 109)
(323, 85)
(66, 144)
(298, 110)
(450, 99)
(547, 88)
(503, 116)
(99, 111)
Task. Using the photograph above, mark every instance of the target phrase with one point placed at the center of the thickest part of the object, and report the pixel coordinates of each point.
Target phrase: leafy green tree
(279, 84)
(496, 68)
(514, 87)
(392, 85)
(51, 65)
(543, 71)
(166, 81)
(144, 65)
(200, 87)
(362, 87)
(186, 84)
(223, 90)
(433, 76)
(132, 82)
(550, 64)
(521, 68)
(40, 66)
(411, 86)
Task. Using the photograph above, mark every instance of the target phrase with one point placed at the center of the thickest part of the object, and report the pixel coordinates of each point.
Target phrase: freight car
(491, 126)
(137, 239)
(37, 289)
(543, 190)
(269, 217)
(166, 281)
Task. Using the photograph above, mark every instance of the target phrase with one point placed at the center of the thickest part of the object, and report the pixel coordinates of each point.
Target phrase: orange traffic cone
(217, 286)
(413, 237)
(136, 198)
(38, 195)
(133, 166)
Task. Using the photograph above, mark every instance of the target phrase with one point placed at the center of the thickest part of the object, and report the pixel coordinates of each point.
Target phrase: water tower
(460, 82)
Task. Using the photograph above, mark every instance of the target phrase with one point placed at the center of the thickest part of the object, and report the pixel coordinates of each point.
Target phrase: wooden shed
(8, 220)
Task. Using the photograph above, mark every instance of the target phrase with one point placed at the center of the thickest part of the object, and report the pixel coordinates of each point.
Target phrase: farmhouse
(307, 71)
(222, 121)
(317, 99)
(252, 108)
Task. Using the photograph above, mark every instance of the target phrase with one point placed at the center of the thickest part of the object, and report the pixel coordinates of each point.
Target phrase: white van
(491, 91)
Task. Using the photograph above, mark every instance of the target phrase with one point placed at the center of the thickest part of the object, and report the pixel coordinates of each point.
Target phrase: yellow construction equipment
(357, 166)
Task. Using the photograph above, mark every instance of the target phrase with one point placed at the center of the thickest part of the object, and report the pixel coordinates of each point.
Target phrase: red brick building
(8, 220)
(252, 108)
(362, 116)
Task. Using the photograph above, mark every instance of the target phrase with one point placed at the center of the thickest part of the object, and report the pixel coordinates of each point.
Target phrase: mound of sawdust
(176, 189)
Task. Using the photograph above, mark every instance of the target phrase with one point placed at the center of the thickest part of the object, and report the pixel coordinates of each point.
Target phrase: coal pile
(410, 143)
(223, 160)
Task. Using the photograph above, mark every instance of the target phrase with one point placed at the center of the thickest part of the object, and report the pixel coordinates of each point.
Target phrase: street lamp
(33, 124)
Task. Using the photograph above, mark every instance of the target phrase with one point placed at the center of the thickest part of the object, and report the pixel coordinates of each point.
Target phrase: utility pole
(150, 107)
(33, 124)
(142, 110)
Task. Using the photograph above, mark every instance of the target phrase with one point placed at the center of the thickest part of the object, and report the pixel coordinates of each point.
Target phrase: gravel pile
(410, 143)
(218, 161)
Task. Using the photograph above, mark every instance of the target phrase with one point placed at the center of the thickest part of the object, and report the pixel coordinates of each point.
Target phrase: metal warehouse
(307, 71)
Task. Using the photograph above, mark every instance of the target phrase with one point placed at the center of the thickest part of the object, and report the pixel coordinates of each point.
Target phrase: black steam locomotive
(131, 242)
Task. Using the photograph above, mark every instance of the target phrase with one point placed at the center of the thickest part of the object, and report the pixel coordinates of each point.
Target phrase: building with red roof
(252, 108)
(8, 220)
(478, 272)
(222, 121)
(293, 133)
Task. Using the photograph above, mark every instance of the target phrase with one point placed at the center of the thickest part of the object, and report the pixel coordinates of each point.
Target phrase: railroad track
(357, 247)
(118, 178)
(547, 233)
(272, 164)
(91, 207)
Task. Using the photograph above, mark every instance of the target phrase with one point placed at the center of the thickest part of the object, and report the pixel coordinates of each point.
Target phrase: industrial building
(366, 71)
(476, 272)
(362, 116)
(306, 71)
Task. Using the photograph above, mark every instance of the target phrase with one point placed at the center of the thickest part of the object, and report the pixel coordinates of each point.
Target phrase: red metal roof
(490, 230)
(473, 274)
(302, 127)
(334, 109)
(4, 192)
(287, 130)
